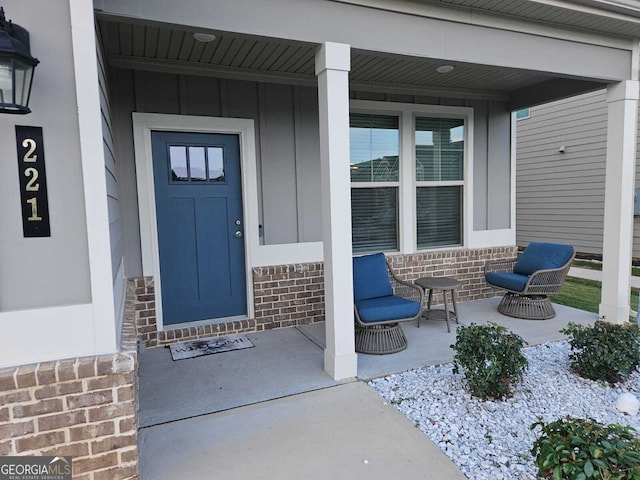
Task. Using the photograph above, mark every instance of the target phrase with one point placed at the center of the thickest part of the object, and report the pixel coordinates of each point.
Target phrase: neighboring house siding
(560, 196)
(113, 193)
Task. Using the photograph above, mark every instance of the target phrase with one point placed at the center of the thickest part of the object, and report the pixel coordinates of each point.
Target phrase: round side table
(446, 284)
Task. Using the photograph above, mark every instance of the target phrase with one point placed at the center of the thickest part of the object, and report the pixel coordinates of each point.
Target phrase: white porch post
(622, 107)
(332, 68)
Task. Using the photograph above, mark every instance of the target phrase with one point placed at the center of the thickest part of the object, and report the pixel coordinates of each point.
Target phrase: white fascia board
(503, 22)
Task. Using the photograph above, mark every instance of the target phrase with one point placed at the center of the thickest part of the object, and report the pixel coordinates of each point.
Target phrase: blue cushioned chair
(380, 302)
(529, 280)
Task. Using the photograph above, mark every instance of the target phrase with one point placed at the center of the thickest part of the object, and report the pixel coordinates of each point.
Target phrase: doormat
(197, 348)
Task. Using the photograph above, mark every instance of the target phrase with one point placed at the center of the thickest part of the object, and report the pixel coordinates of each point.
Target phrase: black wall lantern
(16, 67)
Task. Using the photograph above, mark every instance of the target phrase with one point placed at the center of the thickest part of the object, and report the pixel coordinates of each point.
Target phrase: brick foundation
(288, 295)
(145, 320)
(465, 265)
(81, 407)
(292, 295)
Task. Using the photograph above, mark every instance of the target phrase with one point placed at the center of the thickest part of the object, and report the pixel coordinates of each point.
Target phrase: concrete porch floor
(271, 412)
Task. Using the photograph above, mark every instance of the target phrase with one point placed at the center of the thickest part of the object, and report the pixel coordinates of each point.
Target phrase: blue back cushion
(542, 256)
(370, 277)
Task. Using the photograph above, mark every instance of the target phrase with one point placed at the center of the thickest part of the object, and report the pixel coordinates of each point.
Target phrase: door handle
(238, 234)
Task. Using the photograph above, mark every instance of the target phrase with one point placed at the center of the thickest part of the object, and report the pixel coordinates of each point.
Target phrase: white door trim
(143, 125)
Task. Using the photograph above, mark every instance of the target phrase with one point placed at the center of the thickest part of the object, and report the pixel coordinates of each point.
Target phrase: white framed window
(523, 113)
(439, 157)
(414, 194)
(375, 178)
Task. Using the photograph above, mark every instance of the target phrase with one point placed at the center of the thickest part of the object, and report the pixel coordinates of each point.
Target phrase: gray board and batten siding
(288, 152)
(560, 196)
(113, 189)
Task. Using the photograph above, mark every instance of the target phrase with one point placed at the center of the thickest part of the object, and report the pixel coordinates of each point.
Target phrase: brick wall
(145, 320)
(465, 265)
(83, 407)
(291, 295)
(288, 295)
(284, 296)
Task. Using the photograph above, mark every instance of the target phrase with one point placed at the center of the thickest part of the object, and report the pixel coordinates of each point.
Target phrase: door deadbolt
(238, 222)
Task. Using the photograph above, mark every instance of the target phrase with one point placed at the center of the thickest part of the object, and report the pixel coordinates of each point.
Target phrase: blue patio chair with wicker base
(529, 280)
(381, 301)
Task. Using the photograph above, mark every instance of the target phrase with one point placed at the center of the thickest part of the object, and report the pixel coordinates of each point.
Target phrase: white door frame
(143, 125)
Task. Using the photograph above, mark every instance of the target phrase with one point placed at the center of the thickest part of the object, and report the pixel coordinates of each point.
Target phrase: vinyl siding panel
(113, 191)
(278, 174)
(308, 171)
(122, 93)
(498, 167)
(560, 196)
(480, 167)
(491, 165)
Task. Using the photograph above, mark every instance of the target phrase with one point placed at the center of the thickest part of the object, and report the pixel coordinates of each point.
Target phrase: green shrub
(581, 449)
(490, 358)
(606, 351)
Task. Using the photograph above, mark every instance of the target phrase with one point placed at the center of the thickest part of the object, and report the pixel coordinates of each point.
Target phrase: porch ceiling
(168, 48)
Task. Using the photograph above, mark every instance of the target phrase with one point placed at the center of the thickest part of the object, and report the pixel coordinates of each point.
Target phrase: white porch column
(622, 107)
(332, 68)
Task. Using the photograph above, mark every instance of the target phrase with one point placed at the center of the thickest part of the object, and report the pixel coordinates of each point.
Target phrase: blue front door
(200, 231)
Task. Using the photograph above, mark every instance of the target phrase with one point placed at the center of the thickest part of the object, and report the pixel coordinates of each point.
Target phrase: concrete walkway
(250, 414)
(342, 432)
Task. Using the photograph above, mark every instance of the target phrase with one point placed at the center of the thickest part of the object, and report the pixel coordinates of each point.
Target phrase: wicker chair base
(380, 339)
(529, 307)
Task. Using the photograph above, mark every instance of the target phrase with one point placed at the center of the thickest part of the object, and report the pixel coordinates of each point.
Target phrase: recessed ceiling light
(445, 68)
(204, 37)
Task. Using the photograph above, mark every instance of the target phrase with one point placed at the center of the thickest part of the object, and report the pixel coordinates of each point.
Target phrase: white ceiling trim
(208, 70)
(394, 88)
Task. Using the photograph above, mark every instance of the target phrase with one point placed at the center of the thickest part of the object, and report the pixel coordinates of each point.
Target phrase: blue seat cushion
(390, 307)
(510, 281)
(370, 277)
(542, 256)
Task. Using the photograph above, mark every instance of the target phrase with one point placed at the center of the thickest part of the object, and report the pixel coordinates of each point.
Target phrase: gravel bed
(491, 440)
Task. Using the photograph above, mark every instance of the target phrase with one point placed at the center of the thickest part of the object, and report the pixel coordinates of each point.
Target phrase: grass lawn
(585, 295)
